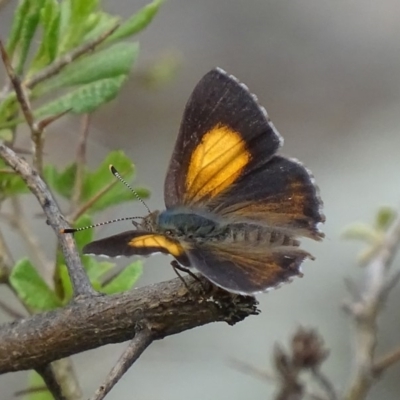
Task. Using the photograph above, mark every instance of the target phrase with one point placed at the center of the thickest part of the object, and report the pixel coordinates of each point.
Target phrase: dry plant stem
(136, 347)
(80, 282)
(325, 383)
(386, 361)
(23, 100)
(63, 61)
(91, 201)
(80, 162)
(166, 309)
(365, 311)
(50, 379)
(18, 221)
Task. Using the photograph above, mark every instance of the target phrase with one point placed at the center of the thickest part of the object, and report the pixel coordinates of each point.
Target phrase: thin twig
(325, 383)
(19, 222)
(136, 347)
(91, 201)
(63, 61)
(386, 361)
(23, 100)
(80, 282)
(365, 312)
(52, 384)
(6, 258)
(248, 369)
(80, 162)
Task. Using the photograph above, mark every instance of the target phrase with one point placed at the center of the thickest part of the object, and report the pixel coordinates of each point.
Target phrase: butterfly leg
(177, 267)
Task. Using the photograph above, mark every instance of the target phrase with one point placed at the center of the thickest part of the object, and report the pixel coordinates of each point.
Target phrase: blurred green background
(328, 74)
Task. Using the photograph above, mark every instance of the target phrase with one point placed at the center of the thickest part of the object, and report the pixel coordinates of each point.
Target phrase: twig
(80, 162)
(6, 260)
(80, 282)
(63, 61)
(18, 221)
(23, 100)
(52, 384)
(91, 201)
(248, 369)
(166, 309)
(137, 346)
(365, 312)
(325, 383)
(386, 361)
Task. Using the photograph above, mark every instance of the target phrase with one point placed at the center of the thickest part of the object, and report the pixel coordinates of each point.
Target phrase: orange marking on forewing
(171, 247)
(216, 163)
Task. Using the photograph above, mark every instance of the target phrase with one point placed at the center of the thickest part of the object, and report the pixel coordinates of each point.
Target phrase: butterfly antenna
(72, 230)
(121, 179)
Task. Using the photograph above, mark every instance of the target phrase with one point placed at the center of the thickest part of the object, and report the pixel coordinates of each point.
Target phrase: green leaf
(103, 24)
(36, 381)
(79, 22)
(28, 29)
(85, 236)
(10, 183)
(50, 20)
(112, 62)
(384, 218)
(31, 288)
(62, 182)
(6, 135)
(16, 27)
(137, 22)
(85, 99)
(125, 280)
(96, 270)
(361, 231)
(101, 179)
(66, 284)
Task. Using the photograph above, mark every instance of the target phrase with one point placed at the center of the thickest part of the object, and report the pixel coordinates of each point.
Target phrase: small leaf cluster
(61, 27)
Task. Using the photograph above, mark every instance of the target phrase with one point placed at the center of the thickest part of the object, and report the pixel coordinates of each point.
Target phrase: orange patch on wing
(157, 241)
(216, 163)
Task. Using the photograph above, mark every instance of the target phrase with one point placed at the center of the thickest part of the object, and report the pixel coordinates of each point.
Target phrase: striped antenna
(121, 179)
(73, 230)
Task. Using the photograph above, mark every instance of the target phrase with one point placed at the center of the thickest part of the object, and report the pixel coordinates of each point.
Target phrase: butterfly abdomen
(258, 235)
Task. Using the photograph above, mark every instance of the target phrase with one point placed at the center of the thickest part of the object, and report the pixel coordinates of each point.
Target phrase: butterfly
(234, 207)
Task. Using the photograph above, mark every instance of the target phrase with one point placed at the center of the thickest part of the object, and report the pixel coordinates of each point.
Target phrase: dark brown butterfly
(234, 208)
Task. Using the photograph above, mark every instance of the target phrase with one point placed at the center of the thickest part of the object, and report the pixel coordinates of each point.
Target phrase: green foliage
(36, 381)
(98, 187)
(10, 183)
(125, 280)
(88, 81)
(30, 287)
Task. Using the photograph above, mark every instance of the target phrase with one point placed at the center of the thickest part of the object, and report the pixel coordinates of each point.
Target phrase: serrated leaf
(28, 29)
(31, 288)
(36, 381)
(114, 61)
(85, 99)
(16, 27)
(384, 218)
(50, 20)
(61, 182)
(95, 182)
(137, 22)
(125, 280)
(361, 231)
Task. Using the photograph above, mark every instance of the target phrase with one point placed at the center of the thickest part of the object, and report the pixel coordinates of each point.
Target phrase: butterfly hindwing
(223, 131)
(247, 269)
(280, 193)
